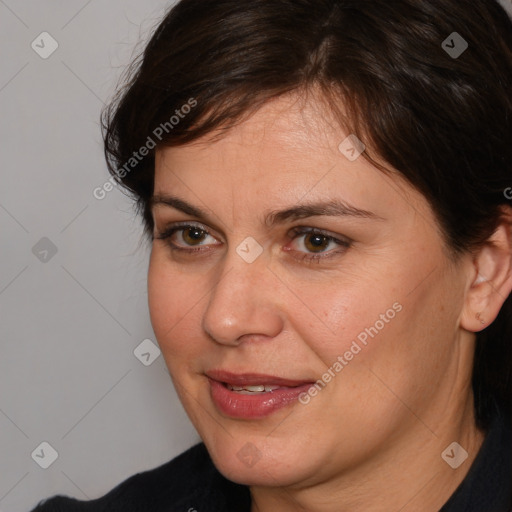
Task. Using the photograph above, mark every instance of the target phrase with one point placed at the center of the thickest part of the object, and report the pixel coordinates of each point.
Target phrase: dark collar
(488, 484)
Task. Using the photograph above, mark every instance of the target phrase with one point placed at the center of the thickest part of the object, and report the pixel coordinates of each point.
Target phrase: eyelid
(170, 230)
(335, 237)
(175, 226)
(344, 243)
(297, 230)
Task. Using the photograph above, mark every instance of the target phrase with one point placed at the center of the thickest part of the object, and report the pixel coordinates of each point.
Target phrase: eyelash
(297, 232)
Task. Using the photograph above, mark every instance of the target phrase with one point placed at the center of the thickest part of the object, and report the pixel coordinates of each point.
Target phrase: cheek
(344, 311)
(373, 321)
(173, 300)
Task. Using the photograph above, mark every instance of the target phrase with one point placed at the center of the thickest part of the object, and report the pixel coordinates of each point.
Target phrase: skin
(372, 439)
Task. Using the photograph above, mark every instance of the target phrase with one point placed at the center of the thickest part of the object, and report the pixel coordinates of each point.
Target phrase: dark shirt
(488, 485)
(191, 483)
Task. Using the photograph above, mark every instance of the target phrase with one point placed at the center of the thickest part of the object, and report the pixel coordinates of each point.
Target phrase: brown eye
(181, 236)
(193, 235)
(316, 243)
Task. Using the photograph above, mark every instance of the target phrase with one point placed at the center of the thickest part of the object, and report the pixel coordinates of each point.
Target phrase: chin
(262, 474)
(241, 462)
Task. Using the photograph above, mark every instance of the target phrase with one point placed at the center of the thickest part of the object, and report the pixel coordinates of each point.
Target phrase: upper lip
(253, 379)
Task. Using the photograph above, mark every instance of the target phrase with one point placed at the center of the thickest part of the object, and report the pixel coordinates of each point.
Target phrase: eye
(317, 244)
(184, 237)
(313, 244)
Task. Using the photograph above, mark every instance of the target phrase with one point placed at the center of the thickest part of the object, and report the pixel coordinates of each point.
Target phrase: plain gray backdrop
(85, 399)
(71, 320)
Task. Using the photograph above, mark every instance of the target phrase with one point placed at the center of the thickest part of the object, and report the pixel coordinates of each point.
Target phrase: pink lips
(257, 405)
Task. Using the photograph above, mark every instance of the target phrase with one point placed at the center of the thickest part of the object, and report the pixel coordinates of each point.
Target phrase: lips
(253, 395)
(253, 379)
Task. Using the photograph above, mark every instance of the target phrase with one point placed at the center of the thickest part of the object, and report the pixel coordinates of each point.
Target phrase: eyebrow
(332, 208)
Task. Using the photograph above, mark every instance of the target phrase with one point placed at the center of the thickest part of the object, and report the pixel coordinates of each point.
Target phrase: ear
(492, 278)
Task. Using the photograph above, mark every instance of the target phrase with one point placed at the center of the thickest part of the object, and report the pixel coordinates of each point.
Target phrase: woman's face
(350, 288)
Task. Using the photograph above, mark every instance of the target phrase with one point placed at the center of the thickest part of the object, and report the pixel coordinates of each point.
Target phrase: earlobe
(492, 279)
(479, 318)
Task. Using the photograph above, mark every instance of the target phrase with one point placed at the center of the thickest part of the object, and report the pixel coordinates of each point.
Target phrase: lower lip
(258, 405)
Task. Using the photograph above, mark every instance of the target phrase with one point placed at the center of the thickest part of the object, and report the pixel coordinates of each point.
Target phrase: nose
(243, 303)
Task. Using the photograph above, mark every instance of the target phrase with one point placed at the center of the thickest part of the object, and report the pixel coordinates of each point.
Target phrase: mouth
(250, 390)
(252, 395)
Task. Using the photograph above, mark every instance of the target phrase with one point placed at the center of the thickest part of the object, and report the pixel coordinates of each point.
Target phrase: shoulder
(187, 483)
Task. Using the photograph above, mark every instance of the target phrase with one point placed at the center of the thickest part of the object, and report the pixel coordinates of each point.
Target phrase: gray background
(71, 321)
(69, 324)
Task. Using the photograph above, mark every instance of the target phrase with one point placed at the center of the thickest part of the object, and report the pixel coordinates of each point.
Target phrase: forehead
(289, 122)
(284, 140)
(286, 153)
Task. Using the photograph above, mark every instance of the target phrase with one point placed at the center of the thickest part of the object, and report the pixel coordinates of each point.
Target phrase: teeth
(252, 389)
(255, 389)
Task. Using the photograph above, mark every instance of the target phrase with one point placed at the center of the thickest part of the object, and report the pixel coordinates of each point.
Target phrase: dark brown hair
(443, 120)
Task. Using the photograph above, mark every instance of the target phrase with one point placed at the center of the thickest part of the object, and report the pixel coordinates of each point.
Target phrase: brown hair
(443, 120)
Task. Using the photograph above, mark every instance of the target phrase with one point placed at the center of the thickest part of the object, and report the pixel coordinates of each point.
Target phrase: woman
(324, 186)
